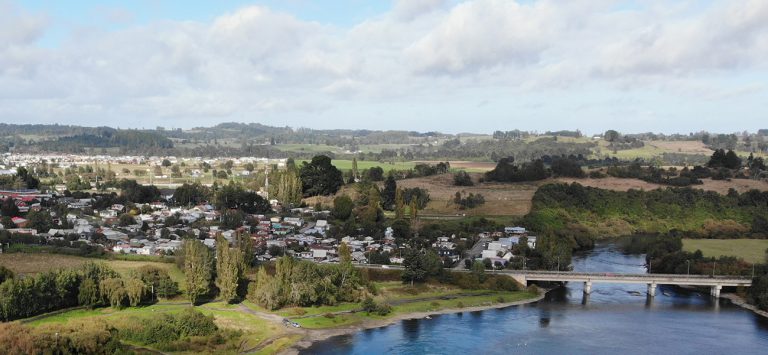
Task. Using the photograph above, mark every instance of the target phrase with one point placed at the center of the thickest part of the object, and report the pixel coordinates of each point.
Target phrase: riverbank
(741, 302)
(310, 336)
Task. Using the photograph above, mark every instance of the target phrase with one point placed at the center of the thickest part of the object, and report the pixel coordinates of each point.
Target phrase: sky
(419, 65)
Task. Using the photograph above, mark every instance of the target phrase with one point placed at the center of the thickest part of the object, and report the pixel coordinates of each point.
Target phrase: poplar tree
(229, 269)
(355, 175)
(197, 269)
(399, 204)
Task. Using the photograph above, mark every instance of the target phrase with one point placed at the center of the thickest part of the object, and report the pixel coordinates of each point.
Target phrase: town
(159, 227)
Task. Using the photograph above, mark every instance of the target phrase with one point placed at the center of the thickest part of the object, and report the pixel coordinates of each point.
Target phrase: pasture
(751, 250)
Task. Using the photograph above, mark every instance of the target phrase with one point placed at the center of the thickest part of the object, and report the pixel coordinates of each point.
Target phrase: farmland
(751, 250)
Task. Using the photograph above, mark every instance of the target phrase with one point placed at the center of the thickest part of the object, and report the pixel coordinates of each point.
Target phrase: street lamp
(714, 265)
(689, 267)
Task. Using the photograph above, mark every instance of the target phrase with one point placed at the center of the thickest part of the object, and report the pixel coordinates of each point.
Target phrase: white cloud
(255, 62)
(407, 10)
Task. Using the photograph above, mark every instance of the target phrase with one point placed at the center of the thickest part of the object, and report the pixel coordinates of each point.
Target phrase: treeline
(126, 140)
(303, 283)
(695, 213)
(90, 285)
(665, 255)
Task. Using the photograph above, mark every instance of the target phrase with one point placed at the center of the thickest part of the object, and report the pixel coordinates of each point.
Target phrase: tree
(401, 229)
(232, 219)
(320, 177)
(342, 207)
(191, 194)
(375, 173)
(5, 274)
(732, 161)
(399, 204)
(39, 220)
(355, 172)
(197, 269)
(462, 178)
(611, 135)
(413, 266)
(229, 269)
(389, 193)
(135, 290)
(126, 220)
(288, 189)
(8, 208)
(157, 280)
(166, 163)
(113, 291)
(478, 269)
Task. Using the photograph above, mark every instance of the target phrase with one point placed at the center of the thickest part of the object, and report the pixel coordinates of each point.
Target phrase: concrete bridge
(715, 283)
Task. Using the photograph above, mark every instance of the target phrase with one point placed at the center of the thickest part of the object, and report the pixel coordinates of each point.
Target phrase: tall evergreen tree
(389, 193)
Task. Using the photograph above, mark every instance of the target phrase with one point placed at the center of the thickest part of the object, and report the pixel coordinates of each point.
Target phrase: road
(476, 250)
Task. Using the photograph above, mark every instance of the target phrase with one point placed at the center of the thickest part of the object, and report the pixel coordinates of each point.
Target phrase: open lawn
(23, 263)
(751, 250)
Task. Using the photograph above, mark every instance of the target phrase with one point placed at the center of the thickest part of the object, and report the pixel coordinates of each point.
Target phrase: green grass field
(751, 250)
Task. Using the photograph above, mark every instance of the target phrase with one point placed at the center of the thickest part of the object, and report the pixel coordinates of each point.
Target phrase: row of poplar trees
(226, 271)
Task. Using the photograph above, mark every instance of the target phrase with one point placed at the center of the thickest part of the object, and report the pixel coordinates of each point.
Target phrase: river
(615, 319)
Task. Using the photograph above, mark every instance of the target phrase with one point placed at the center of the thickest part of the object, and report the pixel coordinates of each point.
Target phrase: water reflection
(615, 318)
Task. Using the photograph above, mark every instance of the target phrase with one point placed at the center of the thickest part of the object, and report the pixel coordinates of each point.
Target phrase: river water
(614, 319)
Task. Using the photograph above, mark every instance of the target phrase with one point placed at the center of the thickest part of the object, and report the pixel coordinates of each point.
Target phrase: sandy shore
(314, 335)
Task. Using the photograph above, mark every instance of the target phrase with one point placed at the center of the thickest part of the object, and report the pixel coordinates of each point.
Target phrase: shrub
(462, 178)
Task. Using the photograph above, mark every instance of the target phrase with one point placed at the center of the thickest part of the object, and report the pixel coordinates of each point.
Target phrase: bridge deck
(607, 277)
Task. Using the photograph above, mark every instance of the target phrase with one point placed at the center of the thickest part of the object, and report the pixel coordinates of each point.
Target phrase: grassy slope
(751, 250)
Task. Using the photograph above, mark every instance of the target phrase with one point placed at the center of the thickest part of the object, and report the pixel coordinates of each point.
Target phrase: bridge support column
(588, 287)
(652, 289)
(715, 291)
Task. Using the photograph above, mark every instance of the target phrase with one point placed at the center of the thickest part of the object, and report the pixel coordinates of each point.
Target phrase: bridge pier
(652, 289)
(715, 291)
(587, 287)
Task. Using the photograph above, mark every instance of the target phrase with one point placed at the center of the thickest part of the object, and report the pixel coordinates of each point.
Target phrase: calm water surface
(615, 319)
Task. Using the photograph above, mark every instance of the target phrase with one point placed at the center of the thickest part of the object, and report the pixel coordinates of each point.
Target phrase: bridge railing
(618, 275)
(587, 274)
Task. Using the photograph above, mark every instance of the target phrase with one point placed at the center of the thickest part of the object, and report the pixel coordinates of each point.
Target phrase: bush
(462, 178)
(164, 329)
(371, 306)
